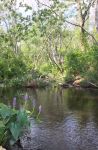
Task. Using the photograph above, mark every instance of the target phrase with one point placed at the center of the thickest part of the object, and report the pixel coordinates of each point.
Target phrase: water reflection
(69, 117)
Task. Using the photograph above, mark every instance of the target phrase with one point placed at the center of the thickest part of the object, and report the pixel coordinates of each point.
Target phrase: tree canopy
(53, 40)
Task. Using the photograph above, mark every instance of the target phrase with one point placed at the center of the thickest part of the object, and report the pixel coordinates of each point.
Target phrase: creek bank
(46, 81)
(76, 83)
(40, 82)
(37, 84)
(79, 83)
(26, 142)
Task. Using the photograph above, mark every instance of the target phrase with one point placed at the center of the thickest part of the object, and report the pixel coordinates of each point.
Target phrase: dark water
(69, 118)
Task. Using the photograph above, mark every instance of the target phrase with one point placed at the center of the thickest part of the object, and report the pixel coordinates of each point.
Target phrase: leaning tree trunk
(96, 16)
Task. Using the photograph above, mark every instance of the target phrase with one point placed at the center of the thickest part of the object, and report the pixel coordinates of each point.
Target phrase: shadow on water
(69, 117)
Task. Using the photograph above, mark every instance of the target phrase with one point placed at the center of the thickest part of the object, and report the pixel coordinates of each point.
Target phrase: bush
(76, 63)
(92, 72)
(12, 124)
(12, 66)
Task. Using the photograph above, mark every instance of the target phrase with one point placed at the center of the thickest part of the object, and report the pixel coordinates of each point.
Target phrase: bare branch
(88, 8)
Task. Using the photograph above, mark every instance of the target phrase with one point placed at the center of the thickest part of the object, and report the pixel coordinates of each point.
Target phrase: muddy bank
(26, 142)
(38, 83)
(79, 83)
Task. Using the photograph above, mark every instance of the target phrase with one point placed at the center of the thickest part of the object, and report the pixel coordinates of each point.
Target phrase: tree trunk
(96, 16)
(81, 20)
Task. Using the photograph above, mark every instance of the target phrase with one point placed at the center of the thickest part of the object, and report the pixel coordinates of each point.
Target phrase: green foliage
(76, 62)
(12, 124)
(92, 72)
(12, 67)
(42, 44)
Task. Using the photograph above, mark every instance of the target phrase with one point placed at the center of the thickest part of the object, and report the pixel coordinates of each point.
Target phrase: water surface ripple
(69, 118)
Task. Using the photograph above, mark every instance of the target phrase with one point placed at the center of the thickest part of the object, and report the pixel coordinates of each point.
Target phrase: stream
(68, 119)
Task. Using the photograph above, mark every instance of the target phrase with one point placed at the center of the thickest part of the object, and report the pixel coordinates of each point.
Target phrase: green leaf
(2, 124)
(15, 130)
(5, 111)
(22, 118)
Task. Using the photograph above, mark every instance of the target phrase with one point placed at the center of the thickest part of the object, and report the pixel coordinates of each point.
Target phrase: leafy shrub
(46, 68)
(92, 72)
(35, 74)
(76, 63)
(12, 124)
(11, 65)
